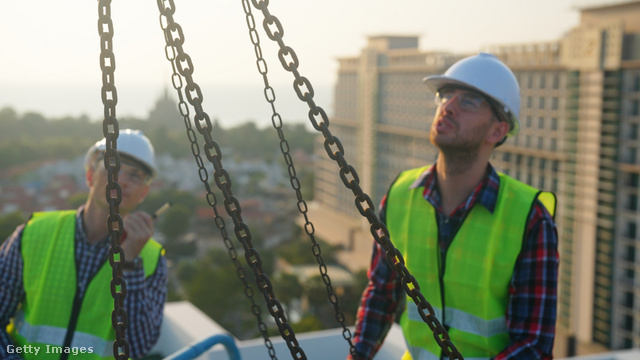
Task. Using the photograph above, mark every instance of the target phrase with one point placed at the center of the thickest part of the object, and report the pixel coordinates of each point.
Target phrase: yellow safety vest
(51, 306)
(473, 289)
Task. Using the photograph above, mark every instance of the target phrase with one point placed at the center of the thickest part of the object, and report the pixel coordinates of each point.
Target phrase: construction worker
(481, 245)
(55, 297)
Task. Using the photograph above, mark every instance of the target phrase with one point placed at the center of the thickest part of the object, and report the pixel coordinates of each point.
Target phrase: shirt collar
(487, 195)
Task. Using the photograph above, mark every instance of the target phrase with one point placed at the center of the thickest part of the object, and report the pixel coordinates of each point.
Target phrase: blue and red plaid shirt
(531, 312)
(144, 302)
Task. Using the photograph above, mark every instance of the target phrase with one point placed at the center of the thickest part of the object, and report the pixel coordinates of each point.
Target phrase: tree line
(30, 137)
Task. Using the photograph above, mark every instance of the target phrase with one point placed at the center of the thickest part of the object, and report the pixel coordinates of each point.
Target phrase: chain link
(176, 79)
(113, 193)
(276, 120)
(349, 176)
(175, 39)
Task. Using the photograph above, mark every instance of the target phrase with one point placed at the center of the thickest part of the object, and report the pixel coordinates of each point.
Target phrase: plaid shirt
(531, 312)
(144, 302)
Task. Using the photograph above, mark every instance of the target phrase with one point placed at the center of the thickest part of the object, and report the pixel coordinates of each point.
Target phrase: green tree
(299, 251)
(288, 288)
(9, 222)
(213, 286)
(77, 199)
(176, 221)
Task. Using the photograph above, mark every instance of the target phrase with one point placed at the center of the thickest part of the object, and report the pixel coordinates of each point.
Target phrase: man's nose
(451, 104)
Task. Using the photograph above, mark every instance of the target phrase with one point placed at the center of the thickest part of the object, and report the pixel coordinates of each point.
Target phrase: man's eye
(468, 102)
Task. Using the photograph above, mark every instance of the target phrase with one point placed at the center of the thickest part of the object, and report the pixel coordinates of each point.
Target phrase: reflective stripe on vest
(465, 321)
(478, 270)
(44, 334)
(49, 276)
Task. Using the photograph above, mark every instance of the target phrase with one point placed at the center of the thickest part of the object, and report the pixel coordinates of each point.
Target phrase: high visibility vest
(51, 308)
(473, 288)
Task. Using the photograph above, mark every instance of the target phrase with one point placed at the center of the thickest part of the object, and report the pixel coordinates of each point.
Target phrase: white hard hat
(131, 143)
(488, 75)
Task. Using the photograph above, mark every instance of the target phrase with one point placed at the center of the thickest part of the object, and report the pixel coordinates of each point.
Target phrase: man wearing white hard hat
(55, 298)
(481, 245)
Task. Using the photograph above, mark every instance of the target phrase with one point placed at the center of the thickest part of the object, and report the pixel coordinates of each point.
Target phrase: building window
(554, 103)
(528, 121)
(543, 82)
(554, 123)
(540, 122)
(633, 131)
(540, 143)
(632, 202)
(553, 144)
(635, 108)
(529, 102)
(630, 254)
(631, 230)
(631, 155)
(556, 81)
(541, 103)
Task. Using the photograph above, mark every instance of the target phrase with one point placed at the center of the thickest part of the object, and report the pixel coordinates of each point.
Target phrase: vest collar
(488, 196)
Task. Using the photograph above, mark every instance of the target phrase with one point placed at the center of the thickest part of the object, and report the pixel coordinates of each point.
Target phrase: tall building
(580, 119)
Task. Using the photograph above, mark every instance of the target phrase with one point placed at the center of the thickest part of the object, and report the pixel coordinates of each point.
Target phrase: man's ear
(88, 176)
(498, 131)
(144, 191)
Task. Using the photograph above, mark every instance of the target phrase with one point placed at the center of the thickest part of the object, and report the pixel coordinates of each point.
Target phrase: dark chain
(176, 80)
(349, 177)
(110, 129)
(175, 38)
(276, 120)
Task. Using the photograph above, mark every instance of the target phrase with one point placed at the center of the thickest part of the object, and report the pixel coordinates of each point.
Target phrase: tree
(288, 288)
(8, 224)
(77, 199)
(176, 221)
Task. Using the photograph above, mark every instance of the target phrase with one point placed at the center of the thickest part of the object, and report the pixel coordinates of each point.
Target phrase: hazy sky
(50, 50)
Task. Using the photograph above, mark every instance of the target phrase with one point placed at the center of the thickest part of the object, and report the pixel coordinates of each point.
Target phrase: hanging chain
(349, 176)
(119, 319)
(276, 120)
(176, 80)
(175, 38)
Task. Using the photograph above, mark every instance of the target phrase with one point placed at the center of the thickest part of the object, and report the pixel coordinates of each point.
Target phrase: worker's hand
(138, 229)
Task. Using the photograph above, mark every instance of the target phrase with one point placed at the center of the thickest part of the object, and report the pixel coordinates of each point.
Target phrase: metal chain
(349, 176)
(276, 120)
(119, 318)
(176, 80)
(175, 38)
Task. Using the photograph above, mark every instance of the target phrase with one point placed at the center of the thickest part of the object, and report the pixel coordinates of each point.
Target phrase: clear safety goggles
(467, 100)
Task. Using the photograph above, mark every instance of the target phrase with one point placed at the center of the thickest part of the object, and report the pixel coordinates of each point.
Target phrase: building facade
(579, 137)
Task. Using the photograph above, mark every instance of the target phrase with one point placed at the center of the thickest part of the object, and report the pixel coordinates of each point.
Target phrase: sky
(49, 60)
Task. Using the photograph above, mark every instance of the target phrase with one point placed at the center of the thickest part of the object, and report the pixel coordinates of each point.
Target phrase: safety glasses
(467, 100)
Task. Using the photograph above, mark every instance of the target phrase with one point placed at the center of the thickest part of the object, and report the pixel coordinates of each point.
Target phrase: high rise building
(579, 137)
